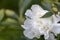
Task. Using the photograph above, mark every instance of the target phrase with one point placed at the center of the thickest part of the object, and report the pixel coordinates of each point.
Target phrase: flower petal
(38, 10)
(29, 34)
(32, 32)
(56, 29)
(51, 37)
(28, 13)
(46, 35)
(27, 24)
(56, 18)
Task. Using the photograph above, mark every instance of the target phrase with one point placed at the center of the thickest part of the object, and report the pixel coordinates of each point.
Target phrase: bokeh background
(12, 17)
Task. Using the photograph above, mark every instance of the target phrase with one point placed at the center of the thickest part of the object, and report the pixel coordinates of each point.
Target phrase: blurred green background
(12, 16)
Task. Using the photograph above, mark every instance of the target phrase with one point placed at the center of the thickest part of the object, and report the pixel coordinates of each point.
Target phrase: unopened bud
(54, 9)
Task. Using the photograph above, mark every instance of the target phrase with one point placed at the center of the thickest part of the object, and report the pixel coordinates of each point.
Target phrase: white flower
(37, 26)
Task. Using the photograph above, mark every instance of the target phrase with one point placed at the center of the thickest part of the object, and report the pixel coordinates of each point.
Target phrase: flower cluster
(35, 25)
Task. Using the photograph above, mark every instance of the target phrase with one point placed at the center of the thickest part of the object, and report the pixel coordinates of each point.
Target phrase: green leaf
(11, 14)
(41, 37)
(48, 14)
(59, 22)
(50, 0)
(58, 37)
(46, 5)
(23, 4)
(1, 14)
(22, 7)
(2, 28)
(8, 21)
(11, 32)
(47, 0)
(1, 38)
(58, 6)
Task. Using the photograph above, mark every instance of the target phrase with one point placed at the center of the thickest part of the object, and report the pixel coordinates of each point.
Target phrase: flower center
(46, 28)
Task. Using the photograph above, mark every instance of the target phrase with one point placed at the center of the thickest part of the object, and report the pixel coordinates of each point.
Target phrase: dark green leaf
(48, 14)
(59, 22)
(41, 37)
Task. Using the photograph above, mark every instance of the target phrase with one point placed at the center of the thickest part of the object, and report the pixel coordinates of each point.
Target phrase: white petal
(37, 32)
(27, 24)
(36, 9)
(29, 34)
(44, 11)
(46, 21)
(28, 13)
(56, 29)
(56, 18)
(46, 35)
(51, 37)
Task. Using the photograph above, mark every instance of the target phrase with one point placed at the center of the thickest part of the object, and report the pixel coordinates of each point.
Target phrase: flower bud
(55, 10)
